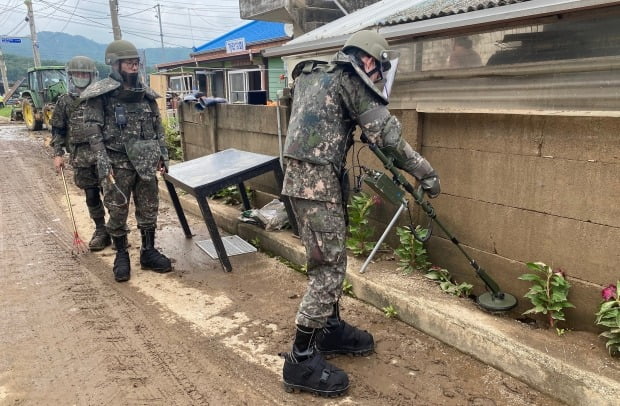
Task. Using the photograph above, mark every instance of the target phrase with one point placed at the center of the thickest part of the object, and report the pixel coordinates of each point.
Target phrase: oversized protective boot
(338, 337)
(122, 266)
(101, 238)
(305, 370)
(150, 258)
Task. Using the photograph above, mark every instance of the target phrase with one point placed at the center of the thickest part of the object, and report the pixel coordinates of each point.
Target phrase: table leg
(214, 233)
(179, 209)
(244, 196)
(287, 203)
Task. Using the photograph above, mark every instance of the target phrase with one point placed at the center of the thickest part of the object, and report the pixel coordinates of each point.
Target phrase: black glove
(431, 185)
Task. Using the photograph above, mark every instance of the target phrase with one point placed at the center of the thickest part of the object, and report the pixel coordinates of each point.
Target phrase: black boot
(150, 258)
(338, 337)
(306, 370)
(122, 266)
(101, 238)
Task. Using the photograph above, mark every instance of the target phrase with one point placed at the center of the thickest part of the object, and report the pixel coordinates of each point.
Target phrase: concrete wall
(530, 188)
(515, 189)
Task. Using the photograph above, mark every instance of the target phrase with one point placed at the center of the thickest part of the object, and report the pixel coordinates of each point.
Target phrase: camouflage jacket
(329, 101)
(126, 124)
(68, 131)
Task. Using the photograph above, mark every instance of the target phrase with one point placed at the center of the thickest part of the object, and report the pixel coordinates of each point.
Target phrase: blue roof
(255, 31)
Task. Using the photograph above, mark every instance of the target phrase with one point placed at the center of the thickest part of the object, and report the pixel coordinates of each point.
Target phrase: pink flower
(609, 292)
(376, 200)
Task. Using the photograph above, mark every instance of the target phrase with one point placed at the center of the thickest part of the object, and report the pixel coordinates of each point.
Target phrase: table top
(216, 167)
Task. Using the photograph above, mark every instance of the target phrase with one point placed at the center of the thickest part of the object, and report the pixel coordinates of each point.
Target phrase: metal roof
(402, 18)
(253, 32)
(426, 9)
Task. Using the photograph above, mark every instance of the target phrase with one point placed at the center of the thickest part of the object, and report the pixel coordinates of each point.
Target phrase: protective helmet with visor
(374, 45)
(80, 65)
(118, 51)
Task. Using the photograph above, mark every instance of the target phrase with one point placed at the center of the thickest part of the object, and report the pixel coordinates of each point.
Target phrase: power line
(79, 12)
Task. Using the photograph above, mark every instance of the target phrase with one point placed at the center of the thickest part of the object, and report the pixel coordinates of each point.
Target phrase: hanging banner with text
(235, 45)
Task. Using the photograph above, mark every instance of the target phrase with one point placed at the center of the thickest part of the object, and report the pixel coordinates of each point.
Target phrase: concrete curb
(570, 373)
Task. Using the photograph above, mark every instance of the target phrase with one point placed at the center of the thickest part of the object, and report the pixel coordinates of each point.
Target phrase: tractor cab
(45, 84)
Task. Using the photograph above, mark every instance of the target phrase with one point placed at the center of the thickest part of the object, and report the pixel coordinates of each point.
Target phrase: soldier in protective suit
(127, 136)
(329, 101)
(68, 134)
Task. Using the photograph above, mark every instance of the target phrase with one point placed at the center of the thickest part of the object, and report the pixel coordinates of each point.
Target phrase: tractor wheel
(29, 114)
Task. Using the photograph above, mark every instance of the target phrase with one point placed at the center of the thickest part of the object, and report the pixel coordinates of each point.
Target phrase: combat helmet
(120, 49)
(370, 42)
(81, 64)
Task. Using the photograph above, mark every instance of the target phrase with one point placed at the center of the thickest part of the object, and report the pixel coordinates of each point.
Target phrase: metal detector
(494, 300)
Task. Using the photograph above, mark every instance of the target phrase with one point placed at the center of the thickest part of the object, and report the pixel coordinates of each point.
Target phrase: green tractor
(45, 85)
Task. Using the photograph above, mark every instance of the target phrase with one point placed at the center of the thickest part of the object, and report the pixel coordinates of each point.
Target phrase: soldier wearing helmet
(329, 101)
(127, 137)
(68, 133)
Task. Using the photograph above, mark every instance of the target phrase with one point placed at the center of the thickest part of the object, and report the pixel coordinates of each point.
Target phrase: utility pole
(5, 81)
(161, 32)
(116, 28)
(33, 34)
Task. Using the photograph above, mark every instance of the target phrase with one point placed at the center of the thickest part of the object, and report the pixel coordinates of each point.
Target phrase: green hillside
(62, 47)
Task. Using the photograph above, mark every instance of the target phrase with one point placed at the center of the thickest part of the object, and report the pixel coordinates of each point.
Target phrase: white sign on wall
(235, 45)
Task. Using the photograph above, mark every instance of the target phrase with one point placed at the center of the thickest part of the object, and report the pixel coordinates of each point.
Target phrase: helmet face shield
(389, 66)
(80, 81)
(81, 72)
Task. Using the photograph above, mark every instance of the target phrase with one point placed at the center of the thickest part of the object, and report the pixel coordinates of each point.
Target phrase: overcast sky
(184, 23)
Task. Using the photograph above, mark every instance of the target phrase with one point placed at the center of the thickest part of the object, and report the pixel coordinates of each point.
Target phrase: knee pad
(93, 197)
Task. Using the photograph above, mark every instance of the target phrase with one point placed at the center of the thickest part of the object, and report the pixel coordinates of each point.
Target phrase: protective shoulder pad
(343, 59)
(151, 94)
(101, 87)
(306, 66)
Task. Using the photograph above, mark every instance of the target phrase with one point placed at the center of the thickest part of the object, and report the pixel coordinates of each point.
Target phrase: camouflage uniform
(68, 133)
(134, 148)
(329, 101)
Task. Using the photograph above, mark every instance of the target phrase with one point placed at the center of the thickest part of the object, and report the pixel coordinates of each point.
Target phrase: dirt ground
(70, 335)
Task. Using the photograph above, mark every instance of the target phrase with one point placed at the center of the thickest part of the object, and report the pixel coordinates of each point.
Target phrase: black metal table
(202, 177)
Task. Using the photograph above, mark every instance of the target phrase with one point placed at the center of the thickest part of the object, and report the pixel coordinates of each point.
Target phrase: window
(181, 85)
(240, 82)
(562, 66)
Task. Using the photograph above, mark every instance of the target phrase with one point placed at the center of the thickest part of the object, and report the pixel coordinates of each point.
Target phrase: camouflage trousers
(117, 196)
(86, 178)
(323, 232)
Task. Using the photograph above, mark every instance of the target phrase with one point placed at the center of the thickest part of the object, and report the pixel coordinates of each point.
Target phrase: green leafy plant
(608, 315)
(359, 230)
(548, 293)
(444, 279)
(347, 288)
(390, 312)
(230, 195)
(411, 252)
(255, 242)
(172, 137)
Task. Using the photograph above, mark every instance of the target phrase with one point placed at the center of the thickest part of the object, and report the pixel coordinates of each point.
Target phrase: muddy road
(70, 335)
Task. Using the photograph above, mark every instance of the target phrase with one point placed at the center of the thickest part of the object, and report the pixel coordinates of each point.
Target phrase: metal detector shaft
(402, 207)
(418, 195)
